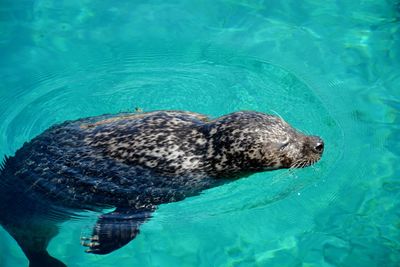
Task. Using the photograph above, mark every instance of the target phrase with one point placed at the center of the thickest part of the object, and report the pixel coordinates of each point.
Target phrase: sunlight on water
(328, 69)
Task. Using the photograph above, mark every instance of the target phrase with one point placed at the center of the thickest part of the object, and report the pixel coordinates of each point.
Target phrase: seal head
(248, 142)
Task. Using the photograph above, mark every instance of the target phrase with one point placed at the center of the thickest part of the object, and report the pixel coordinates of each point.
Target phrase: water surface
(329, 68)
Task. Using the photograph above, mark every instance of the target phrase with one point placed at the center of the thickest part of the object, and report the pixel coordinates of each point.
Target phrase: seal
(134, 162)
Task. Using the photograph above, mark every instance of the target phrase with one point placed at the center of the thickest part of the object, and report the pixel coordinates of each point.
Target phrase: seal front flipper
(116, 229)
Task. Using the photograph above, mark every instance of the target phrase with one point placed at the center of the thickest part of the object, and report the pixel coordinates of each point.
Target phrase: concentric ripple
(205, 80)
(63, 60)
(208, 82)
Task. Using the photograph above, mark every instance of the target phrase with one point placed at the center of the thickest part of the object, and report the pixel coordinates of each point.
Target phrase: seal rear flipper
(116, 229)
(33, 240)
(43, 259)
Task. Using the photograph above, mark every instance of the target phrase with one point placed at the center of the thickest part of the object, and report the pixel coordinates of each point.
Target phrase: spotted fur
(137, 161)
(114, 159)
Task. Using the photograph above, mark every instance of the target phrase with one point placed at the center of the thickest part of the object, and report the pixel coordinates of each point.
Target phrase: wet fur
(134, 162)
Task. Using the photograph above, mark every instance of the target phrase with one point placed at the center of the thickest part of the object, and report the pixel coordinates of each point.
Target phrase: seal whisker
(293, 165)
(277, 114)
(297, 164)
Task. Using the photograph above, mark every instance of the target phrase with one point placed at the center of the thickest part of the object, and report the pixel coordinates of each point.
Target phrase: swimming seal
(133, 163)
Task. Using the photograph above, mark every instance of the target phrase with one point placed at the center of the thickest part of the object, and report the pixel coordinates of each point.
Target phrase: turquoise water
(330, 68)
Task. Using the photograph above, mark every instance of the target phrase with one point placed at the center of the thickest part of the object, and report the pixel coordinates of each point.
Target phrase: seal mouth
(313, 151)
(305, 162)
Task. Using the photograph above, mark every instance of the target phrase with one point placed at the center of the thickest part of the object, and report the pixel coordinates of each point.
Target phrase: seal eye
(283, 146)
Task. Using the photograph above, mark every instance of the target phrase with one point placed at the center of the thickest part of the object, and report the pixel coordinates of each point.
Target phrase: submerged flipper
(33, 239)
(116, 229)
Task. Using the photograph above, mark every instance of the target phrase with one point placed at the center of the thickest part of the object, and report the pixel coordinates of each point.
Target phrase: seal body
(134, 162)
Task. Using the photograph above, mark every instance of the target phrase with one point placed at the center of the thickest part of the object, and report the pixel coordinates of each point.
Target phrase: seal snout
(317, 145)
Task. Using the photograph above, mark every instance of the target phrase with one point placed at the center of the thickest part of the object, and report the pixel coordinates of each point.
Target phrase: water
(329, 68)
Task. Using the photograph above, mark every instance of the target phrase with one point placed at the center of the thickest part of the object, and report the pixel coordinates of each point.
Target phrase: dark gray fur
(134, 162)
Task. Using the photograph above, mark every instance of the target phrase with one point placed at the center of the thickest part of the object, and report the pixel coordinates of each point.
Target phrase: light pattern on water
(328, 68)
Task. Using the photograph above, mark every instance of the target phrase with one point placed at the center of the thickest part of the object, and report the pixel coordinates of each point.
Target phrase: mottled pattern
(125, 160)
(134, 162)
(248, 142)
(151, 158)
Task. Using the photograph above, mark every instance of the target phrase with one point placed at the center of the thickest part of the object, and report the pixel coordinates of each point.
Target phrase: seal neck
(225, 160)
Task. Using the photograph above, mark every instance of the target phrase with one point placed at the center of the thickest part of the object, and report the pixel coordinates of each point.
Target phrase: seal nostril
(319, 147)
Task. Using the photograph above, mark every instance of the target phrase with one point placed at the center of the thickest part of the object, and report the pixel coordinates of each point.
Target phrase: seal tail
(44, 260)
(18, 218)
(4, 184)
(33, 240)
(3, 164)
